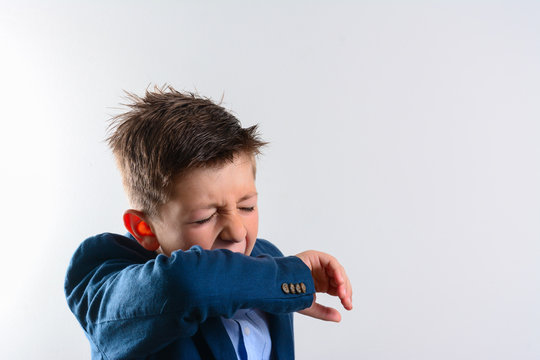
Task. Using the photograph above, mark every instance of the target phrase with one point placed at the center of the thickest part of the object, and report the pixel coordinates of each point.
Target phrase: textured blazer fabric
(136, 304)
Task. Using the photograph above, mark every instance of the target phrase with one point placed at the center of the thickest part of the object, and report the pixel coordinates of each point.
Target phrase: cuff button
(285, 288)
(303, 286)
(292, 288)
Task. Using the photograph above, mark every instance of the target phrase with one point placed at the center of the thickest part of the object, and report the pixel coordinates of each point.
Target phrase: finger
(350, 290)
(338, 276)
(334, 272)
(344, 290)
(322, 312)
(346, 295)
(346, 300)
(339, 283)
(335, 283)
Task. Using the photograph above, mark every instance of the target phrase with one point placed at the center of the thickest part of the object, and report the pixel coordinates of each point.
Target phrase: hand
(329, 277)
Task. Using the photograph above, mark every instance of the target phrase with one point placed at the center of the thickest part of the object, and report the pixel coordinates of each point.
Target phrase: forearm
(150, 304)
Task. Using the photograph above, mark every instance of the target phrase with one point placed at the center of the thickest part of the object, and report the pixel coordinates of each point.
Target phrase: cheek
(252, 226)
(203, 236)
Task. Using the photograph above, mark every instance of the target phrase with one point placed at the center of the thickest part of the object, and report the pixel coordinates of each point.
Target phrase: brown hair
(167, 132)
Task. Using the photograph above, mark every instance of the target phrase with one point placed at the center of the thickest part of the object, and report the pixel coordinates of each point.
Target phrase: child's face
(215, 208)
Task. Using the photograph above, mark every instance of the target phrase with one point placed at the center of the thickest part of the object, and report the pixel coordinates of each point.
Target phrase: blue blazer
(135, 304)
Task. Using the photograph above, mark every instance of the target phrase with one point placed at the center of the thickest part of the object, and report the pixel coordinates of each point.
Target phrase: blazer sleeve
(132, 303)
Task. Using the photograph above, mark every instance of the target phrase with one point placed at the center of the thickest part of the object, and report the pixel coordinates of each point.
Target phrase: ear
(140, 229)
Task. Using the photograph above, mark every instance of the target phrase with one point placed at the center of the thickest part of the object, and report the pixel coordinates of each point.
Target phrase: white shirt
(249, 333)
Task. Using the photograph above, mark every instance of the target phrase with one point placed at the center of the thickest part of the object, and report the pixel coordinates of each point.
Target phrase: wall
(404, 140)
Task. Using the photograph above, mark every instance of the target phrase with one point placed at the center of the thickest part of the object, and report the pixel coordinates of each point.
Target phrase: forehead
(228, 178)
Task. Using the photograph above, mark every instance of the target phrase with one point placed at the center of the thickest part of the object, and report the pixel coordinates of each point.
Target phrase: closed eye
(247, 209)
(204, 221)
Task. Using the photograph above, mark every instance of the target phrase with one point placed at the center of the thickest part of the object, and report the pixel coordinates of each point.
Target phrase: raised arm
(118, 291)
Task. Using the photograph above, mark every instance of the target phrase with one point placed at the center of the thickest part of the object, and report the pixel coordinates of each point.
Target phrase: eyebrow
(215, 205)
(248, 196)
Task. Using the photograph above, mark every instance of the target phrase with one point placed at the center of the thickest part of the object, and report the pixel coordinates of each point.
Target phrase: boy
(191, 280)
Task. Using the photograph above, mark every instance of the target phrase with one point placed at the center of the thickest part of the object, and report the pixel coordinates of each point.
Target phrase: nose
(233, 229)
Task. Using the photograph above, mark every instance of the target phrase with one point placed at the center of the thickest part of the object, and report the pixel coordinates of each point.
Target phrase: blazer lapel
(281, 332)
(217, 339)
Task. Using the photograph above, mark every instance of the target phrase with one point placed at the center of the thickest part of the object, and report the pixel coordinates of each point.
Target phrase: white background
(404, 140)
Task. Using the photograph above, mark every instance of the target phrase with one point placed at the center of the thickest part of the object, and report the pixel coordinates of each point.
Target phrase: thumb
(321, 312)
